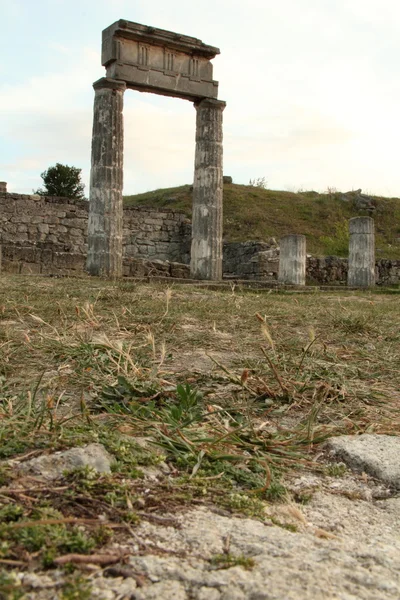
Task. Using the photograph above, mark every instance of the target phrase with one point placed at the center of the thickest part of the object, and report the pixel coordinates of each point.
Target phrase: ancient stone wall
(251, 260)
(47, 234)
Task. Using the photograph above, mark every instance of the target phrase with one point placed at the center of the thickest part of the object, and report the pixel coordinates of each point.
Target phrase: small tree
(62, 180)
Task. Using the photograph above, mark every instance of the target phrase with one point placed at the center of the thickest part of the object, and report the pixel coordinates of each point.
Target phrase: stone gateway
(147, 59)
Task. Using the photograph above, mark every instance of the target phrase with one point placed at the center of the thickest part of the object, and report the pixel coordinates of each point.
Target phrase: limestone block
(43, 228)
(67, 260)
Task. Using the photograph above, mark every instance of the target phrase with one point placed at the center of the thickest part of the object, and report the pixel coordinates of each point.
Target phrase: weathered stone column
(106, 180)
(3, 187)
(361, 252)
(206, 252)
(292, 260)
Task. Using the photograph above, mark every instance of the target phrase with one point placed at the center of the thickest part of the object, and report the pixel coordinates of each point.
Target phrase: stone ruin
(62, 236)
(148, 59)
(48, 235)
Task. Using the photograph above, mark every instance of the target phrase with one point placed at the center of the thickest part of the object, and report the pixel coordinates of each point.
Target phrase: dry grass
(235, 388)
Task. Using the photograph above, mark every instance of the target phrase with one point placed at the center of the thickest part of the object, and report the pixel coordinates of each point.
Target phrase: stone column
(292, 260)
(206, 251)
(3, 187)
(361, 252)
(106, 180)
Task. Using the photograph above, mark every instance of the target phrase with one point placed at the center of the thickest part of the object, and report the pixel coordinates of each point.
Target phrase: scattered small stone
(51, 466)
(377, 455)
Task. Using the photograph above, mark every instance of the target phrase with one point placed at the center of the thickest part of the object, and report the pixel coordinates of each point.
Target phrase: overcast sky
(312, 90)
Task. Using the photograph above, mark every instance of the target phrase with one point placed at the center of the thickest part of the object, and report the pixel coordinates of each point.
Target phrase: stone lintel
(154, 36)
(159, 61)
(109, 84)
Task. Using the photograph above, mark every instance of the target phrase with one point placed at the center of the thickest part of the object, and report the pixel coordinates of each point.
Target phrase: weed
(228, 560)
(303, 498)
(354, 323)
(288, 526)
(10, 587)
(336, 470)
(77, 588)
(246, 504)
(49, 537)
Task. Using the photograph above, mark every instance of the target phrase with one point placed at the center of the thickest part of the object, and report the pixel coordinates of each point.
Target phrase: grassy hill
(254, 213)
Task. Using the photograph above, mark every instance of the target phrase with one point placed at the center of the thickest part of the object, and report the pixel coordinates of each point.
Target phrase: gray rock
(377, 455)
(357, 558)
(358, 561)
(51, 466)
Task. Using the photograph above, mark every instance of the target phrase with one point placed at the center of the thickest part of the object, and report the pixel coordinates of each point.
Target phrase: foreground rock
(51, 466)
(377, 455)
(343, 550)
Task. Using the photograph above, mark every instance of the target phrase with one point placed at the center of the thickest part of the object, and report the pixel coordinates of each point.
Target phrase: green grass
(254, 213)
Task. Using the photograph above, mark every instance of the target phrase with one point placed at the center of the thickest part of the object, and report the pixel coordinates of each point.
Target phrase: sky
(312, 90)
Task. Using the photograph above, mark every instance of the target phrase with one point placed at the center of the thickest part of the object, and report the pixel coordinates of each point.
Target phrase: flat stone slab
(376, 455)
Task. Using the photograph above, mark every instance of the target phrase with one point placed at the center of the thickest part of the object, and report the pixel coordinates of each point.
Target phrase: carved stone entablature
(159, 61)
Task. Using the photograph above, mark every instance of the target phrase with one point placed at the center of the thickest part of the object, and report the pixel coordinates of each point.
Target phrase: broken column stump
(292, 260)
(361, 252)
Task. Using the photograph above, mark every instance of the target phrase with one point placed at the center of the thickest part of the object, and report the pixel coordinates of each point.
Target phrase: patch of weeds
(336, 470)
(92, 488)
(248, 505)
(11, 513)
(275, 492)
(76, 589)
(248, 476)
(10, 588)
(353, 323)
(288, 526)
(129, 397)
(228, 560)
(46, 538)
(303, 498)
(102, 535)
(6, 475)
(128, 454)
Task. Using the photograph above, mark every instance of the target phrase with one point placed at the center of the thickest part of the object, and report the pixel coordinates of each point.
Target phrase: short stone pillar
(104, 256)
(3, 187)
(361, 252)
(292, 260)
(206, 251)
